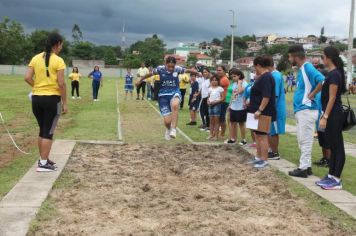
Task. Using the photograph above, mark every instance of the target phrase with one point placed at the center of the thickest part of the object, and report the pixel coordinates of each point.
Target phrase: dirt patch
(182, 190)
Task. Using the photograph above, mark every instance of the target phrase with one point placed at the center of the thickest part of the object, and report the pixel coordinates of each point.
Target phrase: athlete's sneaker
(323, 181)
(243, 142)
(79, 97)
(273, 156)
(95, 100)
(45, 168)
(167, 135)
(261, 164)
(332, 185)
(173, 133)
(73, 97)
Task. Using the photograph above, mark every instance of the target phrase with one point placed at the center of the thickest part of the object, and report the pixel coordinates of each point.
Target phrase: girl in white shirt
(216, 97)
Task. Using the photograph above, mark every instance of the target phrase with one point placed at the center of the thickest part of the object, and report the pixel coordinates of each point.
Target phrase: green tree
(216, 41)
(77, 34)
(83, 50)
(12, 42)
(341, 46)
(277, 49)
(283, 64)
(151, 50)
(132, 61)
(192, 60)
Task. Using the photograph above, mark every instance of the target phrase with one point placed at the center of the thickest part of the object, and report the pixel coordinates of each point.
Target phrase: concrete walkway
(340, 198)
(20, 206)
(350, 148)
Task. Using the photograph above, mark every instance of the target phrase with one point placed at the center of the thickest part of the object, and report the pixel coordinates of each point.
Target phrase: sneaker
(254, 161)
(310, 171)
(202, 126)
(323, 181)
(51, 162)
(173, 133)
(138, 98)
(79, 97)
(273, 156)
(166, 135)
(261, 164)
(95, 100)
(45, 168)
(73, 97)
(332, 185)
(243, 142)
(323, 162)
(192, 123)
(230, 141)
(299, 173)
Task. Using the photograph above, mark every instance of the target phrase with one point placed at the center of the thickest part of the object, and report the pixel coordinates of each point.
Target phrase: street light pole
(233, 26)
(351, 41)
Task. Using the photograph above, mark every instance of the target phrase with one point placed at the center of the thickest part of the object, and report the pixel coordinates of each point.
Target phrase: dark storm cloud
(175, 21)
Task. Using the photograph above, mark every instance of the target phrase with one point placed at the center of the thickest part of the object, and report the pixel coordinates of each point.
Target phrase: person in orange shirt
(224, 83)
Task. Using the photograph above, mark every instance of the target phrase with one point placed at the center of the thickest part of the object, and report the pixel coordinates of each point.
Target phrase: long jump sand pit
(175, 190)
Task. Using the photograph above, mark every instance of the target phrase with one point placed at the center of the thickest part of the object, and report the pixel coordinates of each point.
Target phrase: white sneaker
(73, 97)
(167, 135)
(173, 133)
(95, 100)
(79, 97)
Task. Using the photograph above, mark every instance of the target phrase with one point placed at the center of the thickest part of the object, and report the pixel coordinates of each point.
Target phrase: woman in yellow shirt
(75, 77)
(45, 75)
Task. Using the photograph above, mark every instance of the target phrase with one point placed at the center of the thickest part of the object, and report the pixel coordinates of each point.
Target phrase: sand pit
(175, 190)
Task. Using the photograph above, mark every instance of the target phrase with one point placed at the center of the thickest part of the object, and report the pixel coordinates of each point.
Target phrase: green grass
(319, 205)
(85, 120)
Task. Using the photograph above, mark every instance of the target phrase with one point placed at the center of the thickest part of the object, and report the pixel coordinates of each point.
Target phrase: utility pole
(233, 26)
(351, 41)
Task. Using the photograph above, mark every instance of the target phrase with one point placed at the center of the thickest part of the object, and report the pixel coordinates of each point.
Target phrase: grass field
(87, 120)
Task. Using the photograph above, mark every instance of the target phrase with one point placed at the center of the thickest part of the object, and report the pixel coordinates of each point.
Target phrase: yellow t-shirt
(46, 85)
(183, 81)
(156, 78)
(75, 76)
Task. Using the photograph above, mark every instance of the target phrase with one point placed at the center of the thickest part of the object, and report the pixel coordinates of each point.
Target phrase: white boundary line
(179, 130)
(119, 127)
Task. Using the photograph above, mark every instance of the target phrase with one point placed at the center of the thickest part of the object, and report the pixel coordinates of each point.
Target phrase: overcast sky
(180, 20)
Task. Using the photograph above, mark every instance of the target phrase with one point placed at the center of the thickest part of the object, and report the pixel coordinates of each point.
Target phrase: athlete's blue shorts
(278, 127)
(215, 110)
(129, 87)
(165, 102)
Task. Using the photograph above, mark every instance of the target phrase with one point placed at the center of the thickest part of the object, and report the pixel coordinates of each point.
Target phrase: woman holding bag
(332, 119)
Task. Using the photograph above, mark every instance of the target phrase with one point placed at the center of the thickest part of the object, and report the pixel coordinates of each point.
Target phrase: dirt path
(185, 190)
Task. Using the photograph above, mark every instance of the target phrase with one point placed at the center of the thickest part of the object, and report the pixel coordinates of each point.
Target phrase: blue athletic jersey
(307, 79)
(169, 82)
(96, 75)
(280, 95)
(129, 79)
(247, 92)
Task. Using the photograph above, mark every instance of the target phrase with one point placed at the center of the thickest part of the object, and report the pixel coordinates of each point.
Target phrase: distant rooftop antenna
(123, 39)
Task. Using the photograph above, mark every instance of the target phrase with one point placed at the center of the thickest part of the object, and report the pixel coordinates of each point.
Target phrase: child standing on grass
(237, 111)
(75, 77)
(194, 99)
(216, 97)
(129, 84)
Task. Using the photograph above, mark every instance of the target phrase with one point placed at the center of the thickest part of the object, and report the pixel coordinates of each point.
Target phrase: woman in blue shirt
(97, 78)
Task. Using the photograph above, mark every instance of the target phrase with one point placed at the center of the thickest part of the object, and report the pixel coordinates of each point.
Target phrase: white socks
(43, 162)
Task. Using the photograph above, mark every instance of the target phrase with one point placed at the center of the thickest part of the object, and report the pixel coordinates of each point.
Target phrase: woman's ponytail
(53, 39)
